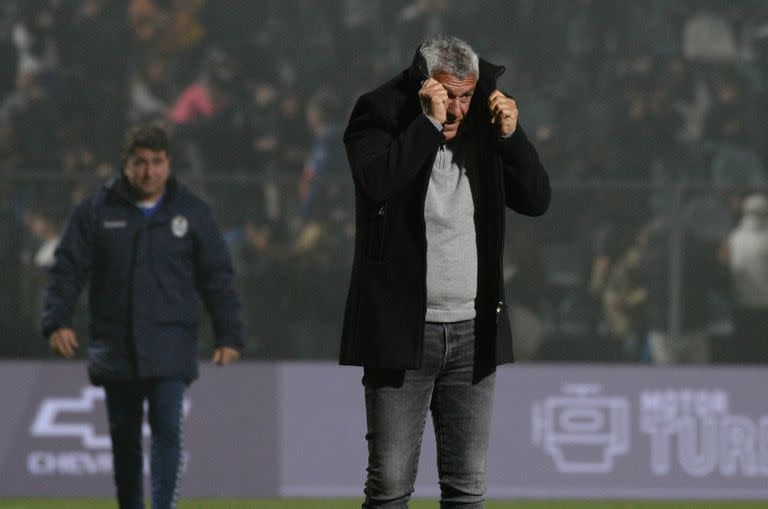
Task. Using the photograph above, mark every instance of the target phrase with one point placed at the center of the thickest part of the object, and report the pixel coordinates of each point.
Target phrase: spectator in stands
(292, 132)
(35, 35)
(31, 116)
(45, 232)
(709, 37)
(205, 112)
(97, 35)
(150, 92)
(746, 255)
(325, 159)
(260, 130)
(697, 277)
(625, 298)
(526, 285)
(727, 118)
(10, 153)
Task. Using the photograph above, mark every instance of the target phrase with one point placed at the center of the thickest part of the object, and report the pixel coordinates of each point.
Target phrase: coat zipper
(376, 246)
(137, 234)
(500, 298)
(381, 226)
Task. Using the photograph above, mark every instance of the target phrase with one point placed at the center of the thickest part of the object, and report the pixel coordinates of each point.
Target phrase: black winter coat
(391, 147)
(145, 276)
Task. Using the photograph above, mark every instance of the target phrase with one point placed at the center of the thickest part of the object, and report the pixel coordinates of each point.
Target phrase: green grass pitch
(355, 504)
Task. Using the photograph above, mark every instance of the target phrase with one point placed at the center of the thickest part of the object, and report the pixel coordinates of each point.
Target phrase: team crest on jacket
(179, 226)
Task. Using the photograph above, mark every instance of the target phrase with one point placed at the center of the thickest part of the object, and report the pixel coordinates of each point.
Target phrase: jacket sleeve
(70, 270)
(526, 183)
(215, 283)
(383, 162)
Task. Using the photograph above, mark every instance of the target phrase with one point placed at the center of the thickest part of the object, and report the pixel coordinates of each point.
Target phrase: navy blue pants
(125, 409)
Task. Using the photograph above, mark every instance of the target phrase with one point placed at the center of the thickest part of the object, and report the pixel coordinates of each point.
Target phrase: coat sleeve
(382, 161)
(70, 270)
(526, 183)
(215, 282)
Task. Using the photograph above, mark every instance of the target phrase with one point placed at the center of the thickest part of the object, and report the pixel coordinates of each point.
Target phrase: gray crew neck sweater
(451, 245)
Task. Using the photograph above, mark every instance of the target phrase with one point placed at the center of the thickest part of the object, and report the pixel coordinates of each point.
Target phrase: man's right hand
(64, 342)
(434, 99)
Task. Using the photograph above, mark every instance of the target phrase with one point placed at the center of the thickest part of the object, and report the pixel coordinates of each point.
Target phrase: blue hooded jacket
(145, 275)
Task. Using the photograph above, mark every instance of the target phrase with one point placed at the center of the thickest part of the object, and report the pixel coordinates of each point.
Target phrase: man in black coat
(436, 155)
(148, 247)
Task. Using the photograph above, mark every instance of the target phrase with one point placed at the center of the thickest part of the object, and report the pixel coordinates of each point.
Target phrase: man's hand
(63, 341)
(434, 99)
(503, 112)
(224, 355)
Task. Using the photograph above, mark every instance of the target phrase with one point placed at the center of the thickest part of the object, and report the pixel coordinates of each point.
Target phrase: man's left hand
(503, 113)
(224, 355)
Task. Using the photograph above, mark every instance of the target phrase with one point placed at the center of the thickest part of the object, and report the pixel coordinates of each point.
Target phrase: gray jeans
(396, 405)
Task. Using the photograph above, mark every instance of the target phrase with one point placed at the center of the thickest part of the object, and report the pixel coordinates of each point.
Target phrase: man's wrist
(508, 135)
(435, 123)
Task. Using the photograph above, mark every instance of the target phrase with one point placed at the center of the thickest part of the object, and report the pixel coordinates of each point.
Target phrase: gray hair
(451, 55)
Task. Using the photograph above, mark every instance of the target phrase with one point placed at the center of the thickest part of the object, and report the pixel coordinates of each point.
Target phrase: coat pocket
(376, 227)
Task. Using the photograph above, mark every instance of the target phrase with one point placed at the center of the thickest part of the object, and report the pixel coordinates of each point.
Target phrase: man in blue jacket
(147, 246)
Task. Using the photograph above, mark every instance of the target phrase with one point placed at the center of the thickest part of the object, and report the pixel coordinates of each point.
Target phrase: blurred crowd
(646, 114)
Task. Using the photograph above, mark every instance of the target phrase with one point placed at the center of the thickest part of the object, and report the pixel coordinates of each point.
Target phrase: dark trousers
(396, 405)
(125, 409)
